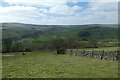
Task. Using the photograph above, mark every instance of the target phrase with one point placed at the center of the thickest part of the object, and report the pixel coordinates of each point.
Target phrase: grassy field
(45, 64)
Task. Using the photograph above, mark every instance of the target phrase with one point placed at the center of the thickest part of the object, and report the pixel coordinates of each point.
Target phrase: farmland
(47, 64)
(39, 42)
(42, 39)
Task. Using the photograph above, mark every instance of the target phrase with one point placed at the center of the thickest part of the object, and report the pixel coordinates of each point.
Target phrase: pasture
(46, 64)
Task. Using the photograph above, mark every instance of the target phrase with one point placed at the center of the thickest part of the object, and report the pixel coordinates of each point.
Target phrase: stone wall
(102, 54)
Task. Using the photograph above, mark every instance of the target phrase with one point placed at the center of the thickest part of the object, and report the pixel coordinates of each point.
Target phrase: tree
(92, 44)
(59, 44)
(7, 43)
(72, 43)
(17, 46)
(84, 34)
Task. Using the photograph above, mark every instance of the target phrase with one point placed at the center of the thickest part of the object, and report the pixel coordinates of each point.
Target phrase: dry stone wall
(101, 54)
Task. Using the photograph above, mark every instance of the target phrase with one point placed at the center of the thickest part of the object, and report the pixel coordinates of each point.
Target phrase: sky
(59, 12)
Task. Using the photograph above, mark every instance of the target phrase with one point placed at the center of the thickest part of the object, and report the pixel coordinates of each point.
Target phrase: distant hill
(46, 32)
(18, 30)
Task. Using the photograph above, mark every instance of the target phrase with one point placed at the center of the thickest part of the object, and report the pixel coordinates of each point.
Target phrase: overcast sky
(59, 12)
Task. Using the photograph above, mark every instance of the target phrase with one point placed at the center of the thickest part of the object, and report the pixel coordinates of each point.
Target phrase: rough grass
(50, 65)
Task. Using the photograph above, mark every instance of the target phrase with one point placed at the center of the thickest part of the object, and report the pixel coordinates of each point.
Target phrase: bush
(61, 51)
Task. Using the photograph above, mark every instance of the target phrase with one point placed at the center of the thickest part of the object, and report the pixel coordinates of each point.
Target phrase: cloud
(76, 8)
(105, 0)
(103, 5)
(60, 9)
(19, 13)
(38, 3)
(64, 10)
(58, 12)
(75, 1)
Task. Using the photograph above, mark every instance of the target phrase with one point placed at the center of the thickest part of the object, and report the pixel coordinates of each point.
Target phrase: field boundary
(99, 54)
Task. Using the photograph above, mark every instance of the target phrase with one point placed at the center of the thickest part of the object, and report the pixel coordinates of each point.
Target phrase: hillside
(18, 30)
(46, 32)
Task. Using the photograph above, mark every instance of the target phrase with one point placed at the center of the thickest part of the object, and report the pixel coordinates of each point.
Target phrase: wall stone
(101, 54)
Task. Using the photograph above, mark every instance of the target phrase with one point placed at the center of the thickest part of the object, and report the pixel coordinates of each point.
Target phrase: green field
(46, 64)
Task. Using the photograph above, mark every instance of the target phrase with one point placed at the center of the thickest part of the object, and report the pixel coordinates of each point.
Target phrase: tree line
(58, 44)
